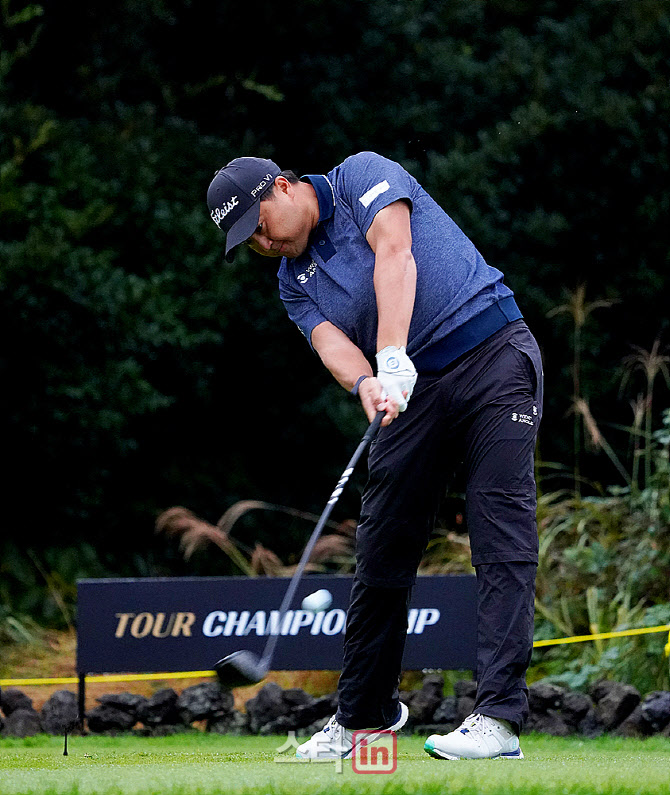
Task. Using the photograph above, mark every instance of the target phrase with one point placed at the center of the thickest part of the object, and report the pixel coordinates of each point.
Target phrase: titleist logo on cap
(221, 212)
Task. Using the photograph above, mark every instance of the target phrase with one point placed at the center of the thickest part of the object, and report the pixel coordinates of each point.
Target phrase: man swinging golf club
(374, 272)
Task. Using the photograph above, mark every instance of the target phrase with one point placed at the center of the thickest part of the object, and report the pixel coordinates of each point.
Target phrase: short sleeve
(369, 182)
(300, 307)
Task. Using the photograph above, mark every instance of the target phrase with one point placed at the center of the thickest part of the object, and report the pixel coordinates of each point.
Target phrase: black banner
(188, 623)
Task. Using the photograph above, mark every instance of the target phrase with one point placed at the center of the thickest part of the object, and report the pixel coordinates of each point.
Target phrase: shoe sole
(436, 753)
(371, 738)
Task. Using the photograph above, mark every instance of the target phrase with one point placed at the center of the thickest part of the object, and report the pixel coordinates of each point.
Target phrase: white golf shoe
(478, 737)
(336, 742)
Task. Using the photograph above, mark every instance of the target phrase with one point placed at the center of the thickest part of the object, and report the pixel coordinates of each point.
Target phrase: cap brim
(244, 227)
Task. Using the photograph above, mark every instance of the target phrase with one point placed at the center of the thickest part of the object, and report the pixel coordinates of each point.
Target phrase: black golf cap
(234, 196)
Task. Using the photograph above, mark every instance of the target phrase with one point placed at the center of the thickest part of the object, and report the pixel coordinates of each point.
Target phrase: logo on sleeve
(370, 195)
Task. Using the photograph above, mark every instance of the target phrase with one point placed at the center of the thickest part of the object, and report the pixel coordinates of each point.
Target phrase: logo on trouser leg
(517, 416)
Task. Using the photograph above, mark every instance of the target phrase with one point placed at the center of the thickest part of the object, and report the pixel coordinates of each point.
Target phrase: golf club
(246, 668)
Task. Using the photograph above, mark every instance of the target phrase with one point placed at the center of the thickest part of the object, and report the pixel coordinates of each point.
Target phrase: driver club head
(240, 669)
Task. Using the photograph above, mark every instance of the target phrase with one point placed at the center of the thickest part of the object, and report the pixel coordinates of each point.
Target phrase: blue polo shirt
(460, 300)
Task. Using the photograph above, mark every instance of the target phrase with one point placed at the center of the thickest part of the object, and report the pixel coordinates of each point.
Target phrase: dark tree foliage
(140, 370)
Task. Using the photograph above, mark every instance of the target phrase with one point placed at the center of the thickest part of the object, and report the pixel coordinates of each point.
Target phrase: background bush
(141, 371)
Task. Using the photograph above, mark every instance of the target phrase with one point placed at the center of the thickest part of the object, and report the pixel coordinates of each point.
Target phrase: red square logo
(374, 752)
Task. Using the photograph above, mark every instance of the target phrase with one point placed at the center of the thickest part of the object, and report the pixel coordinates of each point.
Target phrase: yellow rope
(73, 680)
(600, 636)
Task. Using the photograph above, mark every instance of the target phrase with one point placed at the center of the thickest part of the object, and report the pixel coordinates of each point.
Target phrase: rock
(590, 725)
(297, 697)
(301, 716)
(126, 702)
(424, 702)
(22, 723)
(109, 719)
(465, 688)
(281, 725)
(656, 709)
(543, 697)
(234, 723)
(575, 707)
(434, 683)
(426, 729)
(320, 708)
(635, 725)
(161, 708)
(614, 703)
(299, 712)
(446, 712)
(464, 707)
(60, 713)
(549, 722)
(601, 688)
(266, 706)
(205, 700)
(13, 699)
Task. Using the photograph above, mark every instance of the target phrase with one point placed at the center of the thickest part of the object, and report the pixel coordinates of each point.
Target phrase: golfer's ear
(283, 185)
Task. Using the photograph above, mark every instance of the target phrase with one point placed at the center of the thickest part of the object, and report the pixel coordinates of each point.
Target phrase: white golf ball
(318, 601)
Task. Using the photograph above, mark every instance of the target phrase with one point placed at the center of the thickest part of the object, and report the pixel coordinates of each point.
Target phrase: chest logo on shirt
(311, 270)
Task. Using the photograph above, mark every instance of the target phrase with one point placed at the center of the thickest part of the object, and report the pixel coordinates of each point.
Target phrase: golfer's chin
(290, 250)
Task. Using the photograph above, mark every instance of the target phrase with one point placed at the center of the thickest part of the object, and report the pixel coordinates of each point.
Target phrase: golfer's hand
(373, 400)
(397, 375)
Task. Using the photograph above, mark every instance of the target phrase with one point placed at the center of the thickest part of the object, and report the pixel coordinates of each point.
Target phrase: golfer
(406, 314)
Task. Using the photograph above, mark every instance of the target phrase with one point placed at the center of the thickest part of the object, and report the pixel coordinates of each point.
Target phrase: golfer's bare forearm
(339, 355)
(395, 288)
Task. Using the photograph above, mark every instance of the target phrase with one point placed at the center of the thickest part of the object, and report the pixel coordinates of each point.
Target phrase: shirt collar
(324, 194)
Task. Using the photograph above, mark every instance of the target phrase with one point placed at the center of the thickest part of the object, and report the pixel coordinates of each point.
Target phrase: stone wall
(608, 707)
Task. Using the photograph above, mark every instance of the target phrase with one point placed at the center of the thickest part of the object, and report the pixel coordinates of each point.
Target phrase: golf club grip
(297, 574)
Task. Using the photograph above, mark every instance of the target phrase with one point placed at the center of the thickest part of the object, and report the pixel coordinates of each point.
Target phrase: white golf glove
(396, 374)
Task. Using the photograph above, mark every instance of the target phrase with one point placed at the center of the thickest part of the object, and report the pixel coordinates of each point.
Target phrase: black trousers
(483, 411)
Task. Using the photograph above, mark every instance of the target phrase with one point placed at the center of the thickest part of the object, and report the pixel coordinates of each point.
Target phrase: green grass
(198, 764)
